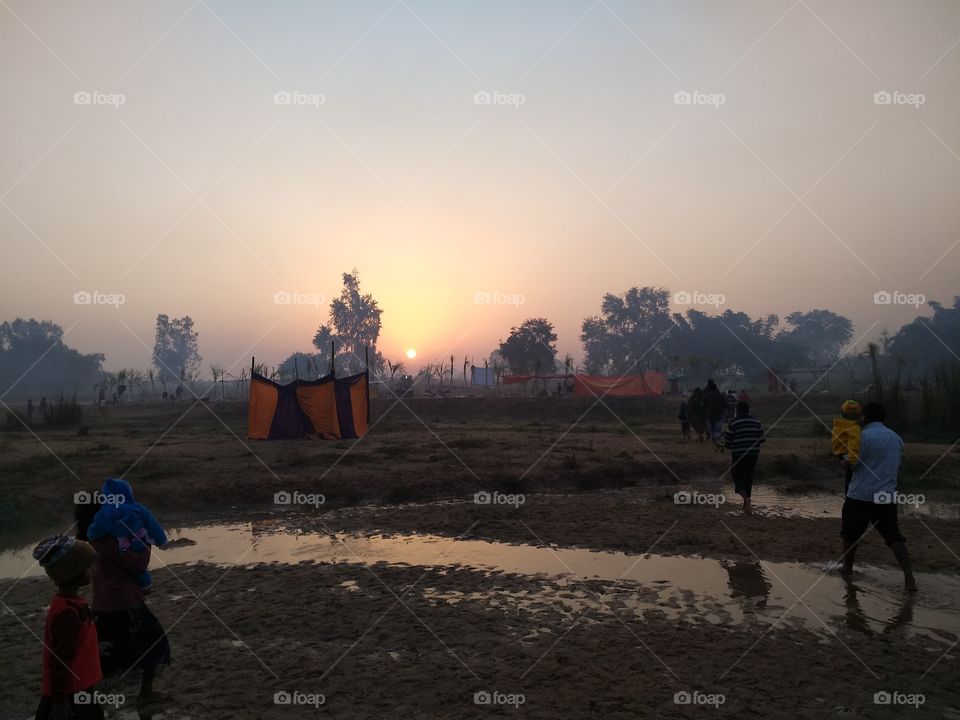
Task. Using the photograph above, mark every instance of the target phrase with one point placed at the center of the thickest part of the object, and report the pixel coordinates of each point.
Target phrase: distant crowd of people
(707, 409)
(43, 408)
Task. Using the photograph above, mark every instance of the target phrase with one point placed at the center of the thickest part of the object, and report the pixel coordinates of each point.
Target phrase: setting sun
(411, 353)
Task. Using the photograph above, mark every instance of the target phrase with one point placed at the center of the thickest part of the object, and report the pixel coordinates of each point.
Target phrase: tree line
(637, 331)
(633, 332)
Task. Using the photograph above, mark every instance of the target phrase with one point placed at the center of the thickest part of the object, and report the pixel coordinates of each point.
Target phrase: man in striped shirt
(743, 437)
(871, 499)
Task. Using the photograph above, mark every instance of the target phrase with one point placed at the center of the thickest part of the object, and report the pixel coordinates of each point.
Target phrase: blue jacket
(126, 518)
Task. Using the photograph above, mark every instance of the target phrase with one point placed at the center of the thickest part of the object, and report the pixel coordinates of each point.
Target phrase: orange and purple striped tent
(329, 407)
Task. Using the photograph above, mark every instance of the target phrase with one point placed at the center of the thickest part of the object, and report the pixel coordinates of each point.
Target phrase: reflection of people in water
(858, 620)
(746, 578)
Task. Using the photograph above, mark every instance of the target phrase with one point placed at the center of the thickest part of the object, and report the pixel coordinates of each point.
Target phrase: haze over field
(199, 157)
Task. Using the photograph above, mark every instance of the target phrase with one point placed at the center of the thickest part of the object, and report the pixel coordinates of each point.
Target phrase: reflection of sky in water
(682, 588)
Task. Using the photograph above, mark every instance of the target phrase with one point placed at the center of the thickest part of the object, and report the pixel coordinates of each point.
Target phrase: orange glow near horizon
(465, 218)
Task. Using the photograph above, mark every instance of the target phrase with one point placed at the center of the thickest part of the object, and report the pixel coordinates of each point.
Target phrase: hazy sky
(180, 179)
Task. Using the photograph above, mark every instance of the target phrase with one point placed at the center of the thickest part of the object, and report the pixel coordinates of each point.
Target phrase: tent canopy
(519, 379)
(642, 384)
(329, 407)
(648, 383)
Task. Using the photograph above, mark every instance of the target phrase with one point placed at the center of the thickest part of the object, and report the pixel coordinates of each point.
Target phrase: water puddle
(526, 578)
(771, 500)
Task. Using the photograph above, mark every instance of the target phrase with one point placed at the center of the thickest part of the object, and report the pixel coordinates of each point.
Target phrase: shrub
(63, 412)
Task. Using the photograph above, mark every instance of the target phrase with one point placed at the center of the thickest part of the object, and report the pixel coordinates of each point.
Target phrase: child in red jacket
(71, 658)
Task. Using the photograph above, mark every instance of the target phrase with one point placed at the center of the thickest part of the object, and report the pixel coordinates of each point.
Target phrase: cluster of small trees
(638, 331)
(34, 359)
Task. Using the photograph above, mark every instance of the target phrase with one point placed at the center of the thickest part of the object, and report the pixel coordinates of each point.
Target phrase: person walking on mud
(698, 415)
(684, 417)
(744, 436)
(715, 405)
(871, 498)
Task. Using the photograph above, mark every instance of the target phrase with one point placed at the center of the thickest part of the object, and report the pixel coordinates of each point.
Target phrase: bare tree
(217, 373)
(498, 368)
(396, 367)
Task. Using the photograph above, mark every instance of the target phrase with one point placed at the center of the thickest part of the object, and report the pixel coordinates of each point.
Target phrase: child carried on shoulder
(132, 524)
(846, 439)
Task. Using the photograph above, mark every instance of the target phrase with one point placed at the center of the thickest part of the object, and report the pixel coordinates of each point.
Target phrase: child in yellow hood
(846, 439)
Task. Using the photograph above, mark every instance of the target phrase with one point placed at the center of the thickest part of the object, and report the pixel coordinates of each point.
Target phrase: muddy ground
(376, 644)
(194, 460)
(385, 641)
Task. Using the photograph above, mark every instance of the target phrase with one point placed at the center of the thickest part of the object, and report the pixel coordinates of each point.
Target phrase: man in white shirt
(872, 495)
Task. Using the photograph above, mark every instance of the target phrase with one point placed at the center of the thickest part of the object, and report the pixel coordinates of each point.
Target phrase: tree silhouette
(355, 326)
(530, 346)
(176, 351)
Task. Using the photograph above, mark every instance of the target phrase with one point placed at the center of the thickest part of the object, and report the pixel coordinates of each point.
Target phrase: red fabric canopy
(517, 379)
(648, 383)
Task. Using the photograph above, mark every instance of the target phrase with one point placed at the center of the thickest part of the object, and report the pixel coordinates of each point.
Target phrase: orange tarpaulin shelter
(648, 383)
(329, 407)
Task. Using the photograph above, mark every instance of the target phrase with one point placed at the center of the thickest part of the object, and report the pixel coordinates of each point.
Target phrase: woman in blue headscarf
(122, 532)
